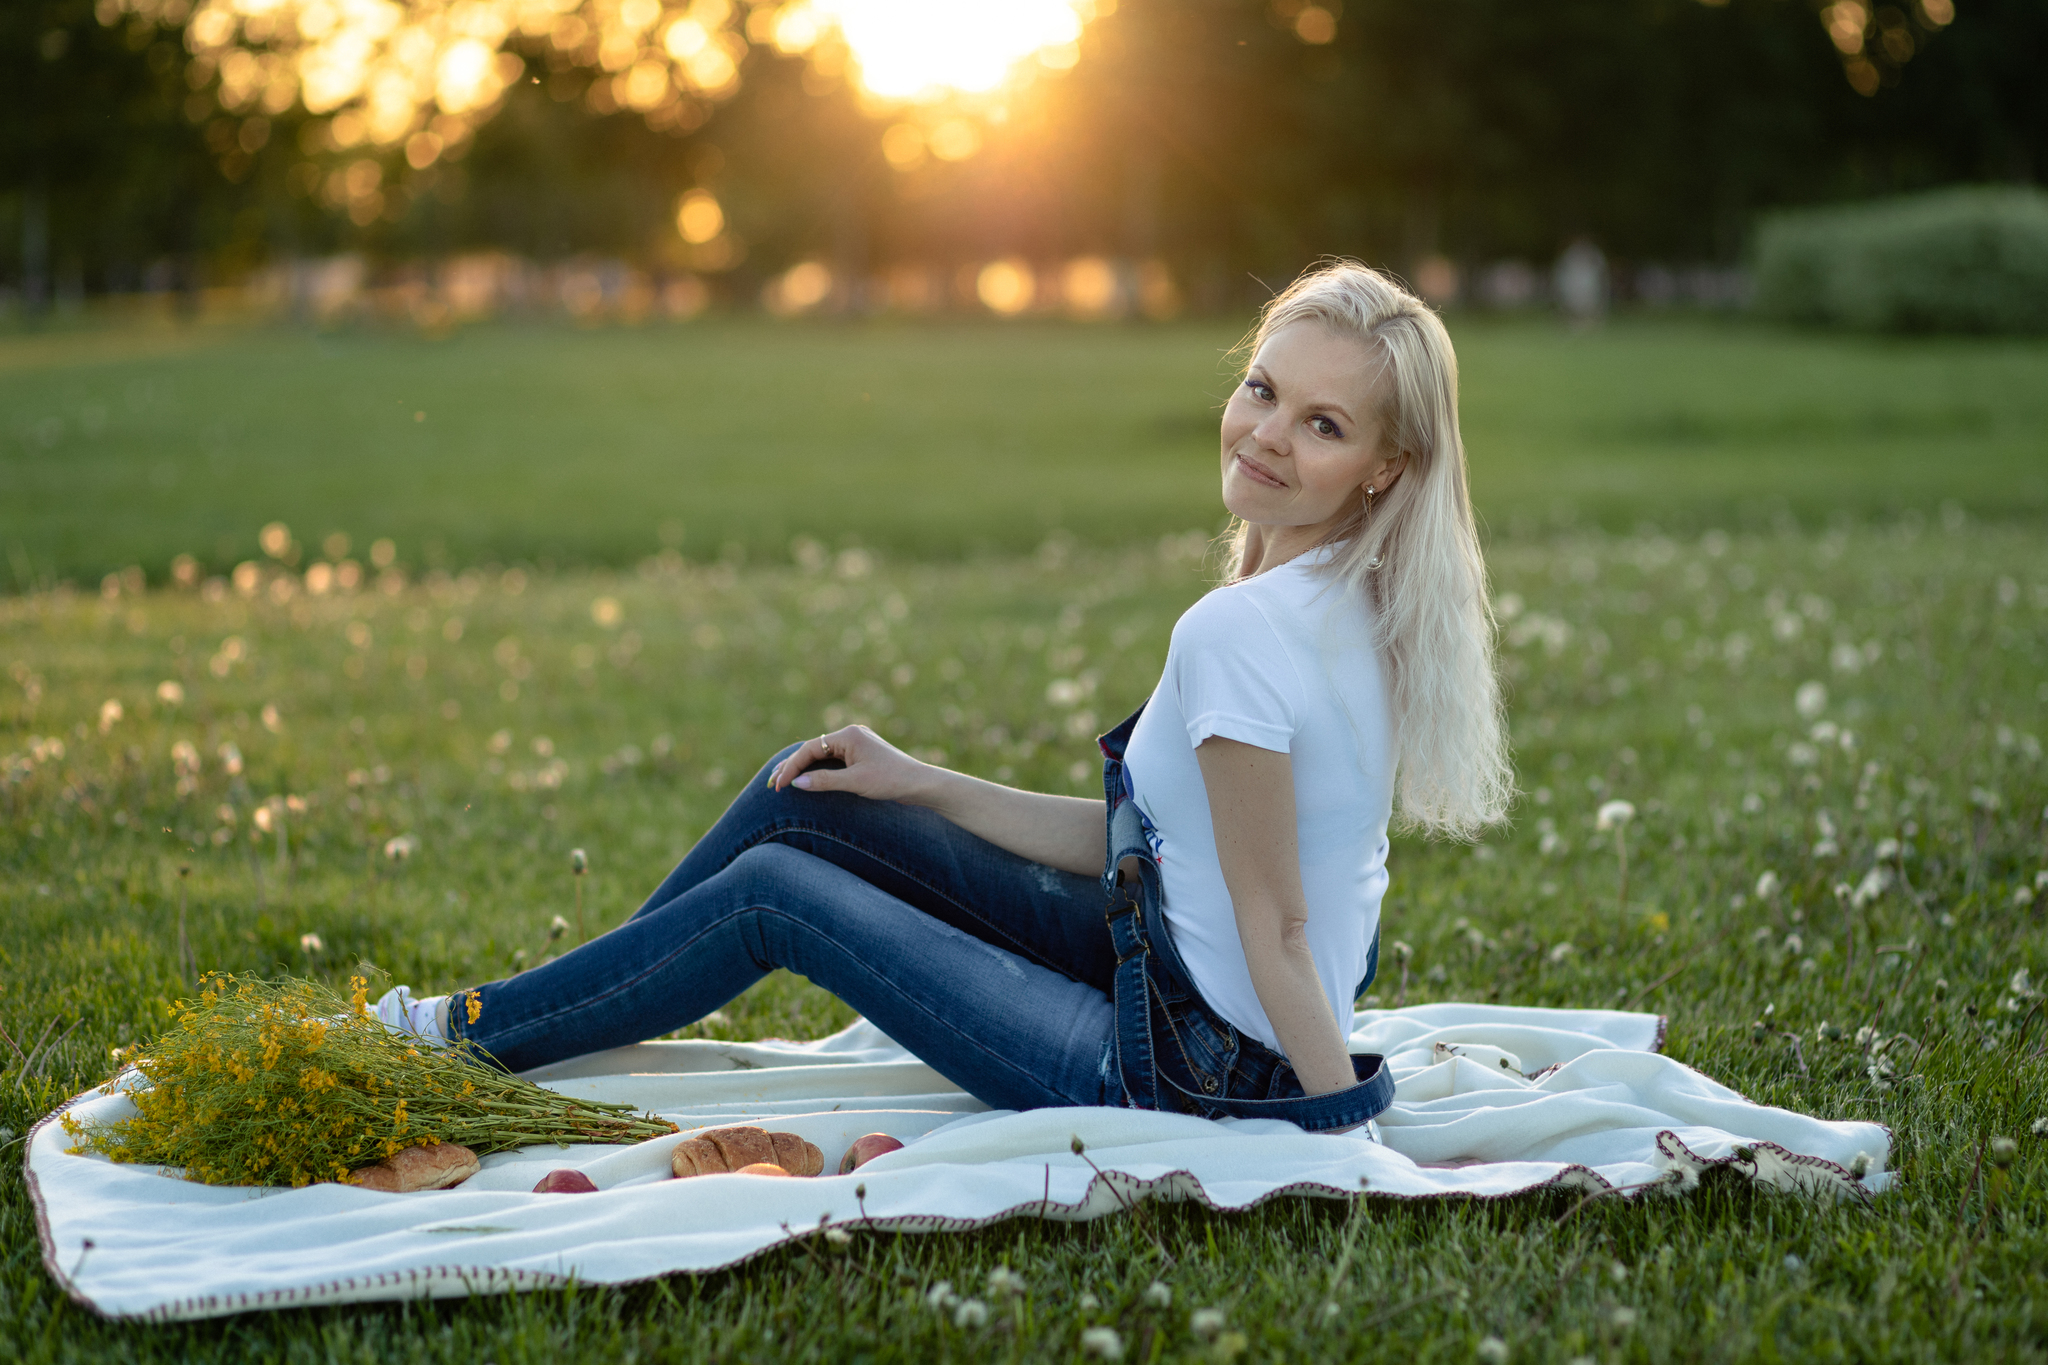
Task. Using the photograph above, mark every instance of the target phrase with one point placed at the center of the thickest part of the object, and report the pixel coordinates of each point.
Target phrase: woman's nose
(1271, 433)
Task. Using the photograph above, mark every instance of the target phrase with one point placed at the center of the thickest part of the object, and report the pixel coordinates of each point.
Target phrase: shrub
(1960, 260)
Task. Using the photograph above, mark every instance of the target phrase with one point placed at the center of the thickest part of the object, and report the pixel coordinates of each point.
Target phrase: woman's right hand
(874, 767)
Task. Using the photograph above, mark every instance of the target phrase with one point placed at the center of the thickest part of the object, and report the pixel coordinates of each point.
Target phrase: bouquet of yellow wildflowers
(286, 1083)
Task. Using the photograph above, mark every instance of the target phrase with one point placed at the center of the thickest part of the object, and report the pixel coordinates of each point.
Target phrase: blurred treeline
(1202, 132)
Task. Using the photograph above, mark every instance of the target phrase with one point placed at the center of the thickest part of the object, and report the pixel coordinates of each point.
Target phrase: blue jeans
(995, 970)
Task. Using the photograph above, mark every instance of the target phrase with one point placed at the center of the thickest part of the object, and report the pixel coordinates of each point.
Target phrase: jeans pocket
(1205, 1046)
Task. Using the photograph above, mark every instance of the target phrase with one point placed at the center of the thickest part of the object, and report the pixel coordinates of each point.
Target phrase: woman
(1211, 969)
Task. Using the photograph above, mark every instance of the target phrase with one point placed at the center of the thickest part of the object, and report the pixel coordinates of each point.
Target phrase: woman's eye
(1259, 391)
(1324, 427)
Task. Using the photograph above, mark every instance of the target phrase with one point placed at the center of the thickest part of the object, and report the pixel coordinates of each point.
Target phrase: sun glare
(928, 49)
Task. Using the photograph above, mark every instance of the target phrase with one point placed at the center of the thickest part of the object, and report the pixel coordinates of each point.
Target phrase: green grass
(1660, 666)
(1628, 681)
(538, 445)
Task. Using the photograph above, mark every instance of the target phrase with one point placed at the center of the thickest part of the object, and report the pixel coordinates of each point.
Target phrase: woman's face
(1301, 436)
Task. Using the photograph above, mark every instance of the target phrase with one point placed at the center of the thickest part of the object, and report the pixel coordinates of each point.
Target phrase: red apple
(565, 1182)
(866, 1149)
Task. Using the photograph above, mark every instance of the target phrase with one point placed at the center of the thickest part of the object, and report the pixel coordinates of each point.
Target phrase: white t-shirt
(1283, 661)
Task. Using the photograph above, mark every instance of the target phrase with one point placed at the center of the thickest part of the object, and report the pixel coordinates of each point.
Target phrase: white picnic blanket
(1584, 1101)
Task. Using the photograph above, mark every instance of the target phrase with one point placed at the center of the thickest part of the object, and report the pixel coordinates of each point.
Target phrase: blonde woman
(1194, 941)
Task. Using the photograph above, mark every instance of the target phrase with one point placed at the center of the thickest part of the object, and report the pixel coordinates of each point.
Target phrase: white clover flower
(1766, 886)
(1158, 1294)
(1614, 814)
(1492, 1350)
(970, 1313)
(2022, 985)
(1207, 1322)
(1794, 945)
(1810, 700)
(1088, 1303)
(1004, 1282)
(1102, 1342)
(2040, 1128)
(1871, 887)
(940, 1295)
(1886, 850)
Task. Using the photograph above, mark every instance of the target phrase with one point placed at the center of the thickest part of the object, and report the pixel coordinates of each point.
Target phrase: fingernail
(801, 780)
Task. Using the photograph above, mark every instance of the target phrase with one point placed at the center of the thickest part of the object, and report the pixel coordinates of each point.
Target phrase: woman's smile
(1259, 473)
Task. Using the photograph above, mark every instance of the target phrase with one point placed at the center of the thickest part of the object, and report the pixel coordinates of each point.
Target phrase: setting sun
(927, 49)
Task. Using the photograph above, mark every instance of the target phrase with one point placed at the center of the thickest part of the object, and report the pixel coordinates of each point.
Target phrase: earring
(1368, 500)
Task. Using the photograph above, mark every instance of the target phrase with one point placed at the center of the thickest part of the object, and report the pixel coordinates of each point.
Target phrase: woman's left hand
(874, 767)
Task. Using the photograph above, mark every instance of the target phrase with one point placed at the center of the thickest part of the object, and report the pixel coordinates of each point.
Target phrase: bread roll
(796, 1156)
(762, 1168)
(418, 1168)
(723, 1150)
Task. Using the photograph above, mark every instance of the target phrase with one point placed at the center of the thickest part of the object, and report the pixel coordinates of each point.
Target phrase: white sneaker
(400, 1012)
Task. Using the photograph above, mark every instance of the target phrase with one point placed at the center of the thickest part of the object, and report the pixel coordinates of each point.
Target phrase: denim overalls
(1172, 1052)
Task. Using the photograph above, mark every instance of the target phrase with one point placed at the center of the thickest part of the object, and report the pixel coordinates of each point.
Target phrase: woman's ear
(1389, 469)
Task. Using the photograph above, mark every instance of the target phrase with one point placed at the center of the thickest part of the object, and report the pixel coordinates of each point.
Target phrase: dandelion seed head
(1767, 886)
(400, 848)
(1810, 700)
(1158, 1294)
(557, 927)
(579, 861)
(970, 1313)
(2002, 1151)
(1492, 1350)
(1207, 1322)
(1614, 814)
(1103, 1343)
(310, 943)
(1859, 1166)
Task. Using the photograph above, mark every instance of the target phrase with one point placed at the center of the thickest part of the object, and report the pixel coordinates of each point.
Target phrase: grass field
(614, 702)
(538, 445)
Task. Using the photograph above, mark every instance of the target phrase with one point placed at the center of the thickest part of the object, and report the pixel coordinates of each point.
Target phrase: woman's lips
(1258, 473)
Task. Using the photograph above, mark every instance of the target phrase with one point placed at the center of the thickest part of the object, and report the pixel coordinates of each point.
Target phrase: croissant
(722, 1150)
(433, 1167)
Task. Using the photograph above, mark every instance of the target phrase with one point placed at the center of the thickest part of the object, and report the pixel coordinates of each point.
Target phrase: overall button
(1209, 1084)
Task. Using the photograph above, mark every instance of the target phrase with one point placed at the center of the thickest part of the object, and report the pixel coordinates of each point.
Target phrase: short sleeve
(1233, 674)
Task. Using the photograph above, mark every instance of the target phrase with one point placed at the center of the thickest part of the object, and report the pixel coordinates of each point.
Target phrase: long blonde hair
(1416, 557)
